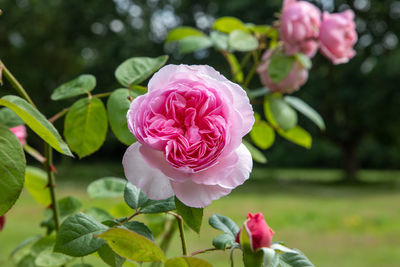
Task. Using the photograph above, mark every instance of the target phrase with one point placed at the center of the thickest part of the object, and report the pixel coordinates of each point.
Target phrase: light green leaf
(242, 41)
(224, 224)
(229, 24)
(258, 92)
(77, 235)
(187, 262)
(27, 261)
(137, 69)
(36, 183)
(110, 257)
(280, 66)
(12, 169)
(192, 216)
(194, 43)
(262, 134)
(236, 70)
(303, 60)
(51, 259)
(294, 260)
(133, 246)
(79, 86)
(223, 240)
(139, 228)
(260, 29)
(107, 187)
(306, 110)
(256, 154)
(98, 214)
(85, 126)
(279, 113)
(9, 118)
(36, 121)
(220, 40)
(117, 107)
(298, 136)
(182, 32)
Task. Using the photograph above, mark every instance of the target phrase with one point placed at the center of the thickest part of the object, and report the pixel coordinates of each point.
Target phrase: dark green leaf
(12, 169)
(192, 216)
(139, 228)
(298, 136)
(306, 110)
(36, 184)
(133, 246)
(77, 235)
(79, 86)
(157, 206)
(110, 257)
(223, 240)
(242, 41)
(117, 107)
(36, 121)
(137, 69)
(256, 154)
(224, 224)
(187, 262)
(9, 118)
(85, 126)
(228, 24)
(280, 66)
(294, 260)
(98, 214)
(279, 113)
(182, 32)
(68, 206)
(107, 187)
(45, 243)
(194, 43)
(27, 261)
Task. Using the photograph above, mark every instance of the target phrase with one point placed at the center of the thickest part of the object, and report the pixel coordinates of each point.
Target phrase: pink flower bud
(20, 132)
(292, 82)
(260, 233)
(337, 36)
(299, 28)
(2, 222)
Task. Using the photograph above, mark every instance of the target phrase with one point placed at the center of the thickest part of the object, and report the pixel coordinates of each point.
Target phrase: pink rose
(299, 28)
(20, 132)
(2, 222)
(337, 36)
(189, 128)
(292, 82)
(258, 230)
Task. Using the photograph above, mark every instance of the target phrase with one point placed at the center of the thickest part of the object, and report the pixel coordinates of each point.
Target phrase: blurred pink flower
(189, 128)
(299, 28)
(292, 82)
(2, 222)
(258, 230)
(337, 36)
(20, 132)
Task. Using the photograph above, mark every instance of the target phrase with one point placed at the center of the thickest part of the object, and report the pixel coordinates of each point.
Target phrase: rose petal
(150, 180)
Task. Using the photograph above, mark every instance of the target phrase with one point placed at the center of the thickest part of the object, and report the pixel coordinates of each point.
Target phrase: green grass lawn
(333, 224)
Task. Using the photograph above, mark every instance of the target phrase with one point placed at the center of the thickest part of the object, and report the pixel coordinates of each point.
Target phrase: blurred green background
(326, 206)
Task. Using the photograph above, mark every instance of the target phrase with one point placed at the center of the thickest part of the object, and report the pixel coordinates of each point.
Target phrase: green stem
(166, 241)
(102, 95)
(59, 115)
(181, 232)
(205, 250)
(50, 177)
(252, 71)
(14, 82)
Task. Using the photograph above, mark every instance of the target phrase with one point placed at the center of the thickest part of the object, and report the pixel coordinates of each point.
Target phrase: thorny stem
(181, 232)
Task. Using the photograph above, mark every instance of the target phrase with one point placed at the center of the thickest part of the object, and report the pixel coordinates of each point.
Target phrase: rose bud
(189, 127)
(2, 222)
(20, 132)
(260, 235)
(299, 27)
(337, 36)
(292, 82)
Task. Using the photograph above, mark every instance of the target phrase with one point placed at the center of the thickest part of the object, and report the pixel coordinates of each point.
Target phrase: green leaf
(279, 113)
(258, 92)
(45, 243)
(271, 258)
(68, 206)
(294, 260)
(133, 246)
(36, 183)
(12, 169)
(137, 69)
(224, 224)
(9, 118)
(51, 259)
(194, 43)
(298, 136)
(27, 261)
(182, 32)
(98, 214)
(236, 70)
(26, 242)
(79, 86)
(219, 40)
(36, 121)
(306, 110)
(139, 228)
(260, 29)
(136, 199)
(110, 257)
(242, 41)
(192, 216)
(85, 126)
(256, 154)
(107, 187)
(77, 235)
(156, 222)
(262, 134)
(187, 262)
(223, 240)
(228, 24)
(303, 60)
(280, 66)
(117, 107)
(82, 265)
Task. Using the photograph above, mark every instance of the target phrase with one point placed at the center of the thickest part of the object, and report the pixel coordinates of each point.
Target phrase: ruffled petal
(139, 172)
